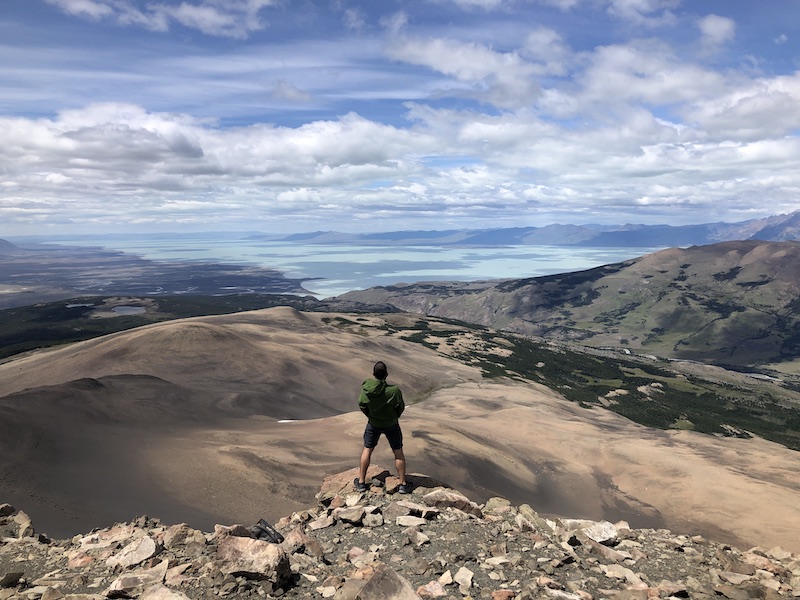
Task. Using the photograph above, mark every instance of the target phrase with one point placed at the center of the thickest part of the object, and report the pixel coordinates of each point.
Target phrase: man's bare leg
(400, 465)
(363, 465)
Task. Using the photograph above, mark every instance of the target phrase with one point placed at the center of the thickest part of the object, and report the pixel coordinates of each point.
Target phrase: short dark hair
(379, 371)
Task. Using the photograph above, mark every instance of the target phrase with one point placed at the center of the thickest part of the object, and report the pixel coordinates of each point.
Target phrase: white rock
(464, 577)
(134, 553)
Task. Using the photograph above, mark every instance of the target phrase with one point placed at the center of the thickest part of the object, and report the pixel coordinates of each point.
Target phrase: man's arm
(399, 405)
(363, 403)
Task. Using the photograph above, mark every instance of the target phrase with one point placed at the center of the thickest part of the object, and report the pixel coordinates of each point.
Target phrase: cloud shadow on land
(552, 490)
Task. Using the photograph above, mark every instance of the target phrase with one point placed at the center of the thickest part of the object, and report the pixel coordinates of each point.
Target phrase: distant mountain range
(732, 303)
(776, 228)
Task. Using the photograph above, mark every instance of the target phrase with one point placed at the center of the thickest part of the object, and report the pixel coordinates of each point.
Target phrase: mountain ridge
(774, 228)
(731, 303)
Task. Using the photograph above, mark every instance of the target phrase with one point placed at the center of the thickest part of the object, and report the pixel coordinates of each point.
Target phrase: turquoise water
(335, 269)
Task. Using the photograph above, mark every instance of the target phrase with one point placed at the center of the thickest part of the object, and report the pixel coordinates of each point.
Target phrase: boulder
(433, 589)
(162, 592)
(528, 519)
(384, 584)
(410, 521)
(253, 559)
(234, 530)
(183, 535)
(133, 584)
(443, 498)
(135, 553)
(353, 515)
(109, 537)
(298, 541)
(341, 483)
(23, 524)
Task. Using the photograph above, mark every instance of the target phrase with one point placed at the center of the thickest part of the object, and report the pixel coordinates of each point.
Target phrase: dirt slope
(193, 421)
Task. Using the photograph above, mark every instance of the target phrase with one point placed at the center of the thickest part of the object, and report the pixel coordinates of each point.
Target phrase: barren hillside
(228, 419)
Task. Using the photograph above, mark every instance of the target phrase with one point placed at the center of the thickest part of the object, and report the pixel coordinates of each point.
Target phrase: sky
(384, 115)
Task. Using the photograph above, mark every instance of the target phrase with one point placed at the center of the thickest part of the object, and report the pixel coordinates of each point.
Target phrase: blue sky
(281, 115)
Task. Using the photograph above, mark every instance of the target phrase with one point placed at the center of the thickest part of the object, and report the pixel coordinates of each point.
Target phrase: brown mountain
(733, 303)
(233, 418)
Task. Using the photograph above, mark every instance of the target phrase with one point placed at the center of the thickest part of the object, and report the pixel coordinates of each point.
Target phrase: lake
(335, 269)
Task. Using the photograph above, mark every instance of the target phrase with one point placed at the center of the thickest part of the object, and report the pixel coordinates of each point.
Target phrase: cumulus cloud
(467, 126)
(548, 49)
(644, 71)
(762, 108)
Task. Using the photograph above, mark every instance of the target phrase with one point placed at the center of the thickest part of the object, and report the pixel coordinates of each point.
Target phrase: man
(383, 404)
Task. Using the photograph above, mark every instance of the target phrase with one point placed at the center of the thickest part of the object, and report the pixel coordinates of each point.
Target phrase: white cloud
(354, 19)
(88, 8)
(626, 124)
(208, 19)
(225, 18)
(501, 78)
(716, 30)
(644, 12)
(564, 5)
(620, 75)
(762, 108)
(548, 49)
(395, 22)
(288, 91)
(485, 4)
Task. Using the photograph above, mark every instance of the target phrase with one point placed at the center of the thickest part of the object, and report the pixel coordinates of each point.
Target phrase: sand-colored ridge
(266, 409)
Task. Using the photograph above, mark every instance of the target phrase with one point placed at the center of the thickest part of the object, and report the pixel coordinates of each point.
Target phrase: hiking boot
(405, 488)
(360, 487)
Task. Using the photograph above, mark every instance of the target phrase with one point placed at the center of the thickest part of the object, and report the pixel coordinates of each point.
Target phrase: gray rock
(410, 521)
(350, 515)
(442, 498)
(384, 584)
(162, 592)
(395, 509)
(24, 525)
(253, 559)
(133, 584)
(531, 521)
(11, 579)
(373, 520)
(183, 535)
(463, 577)
(322, 522)
(135, 553)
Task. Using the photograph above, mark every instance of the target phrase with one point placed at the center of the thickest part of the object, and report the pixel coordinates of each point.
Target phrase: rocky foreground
(434, 543)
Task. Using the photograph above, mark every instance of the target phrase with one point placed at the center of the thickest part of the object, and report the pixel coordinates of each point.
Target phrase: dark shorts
(392, 433)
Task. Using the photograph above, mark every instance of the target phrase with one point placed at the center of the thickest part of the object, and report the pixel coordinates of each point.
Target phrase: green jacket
(381, 402)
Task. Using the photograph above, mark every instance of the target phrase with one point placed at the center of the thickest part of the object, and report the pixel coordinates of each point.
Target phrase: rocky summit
(378, 544)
